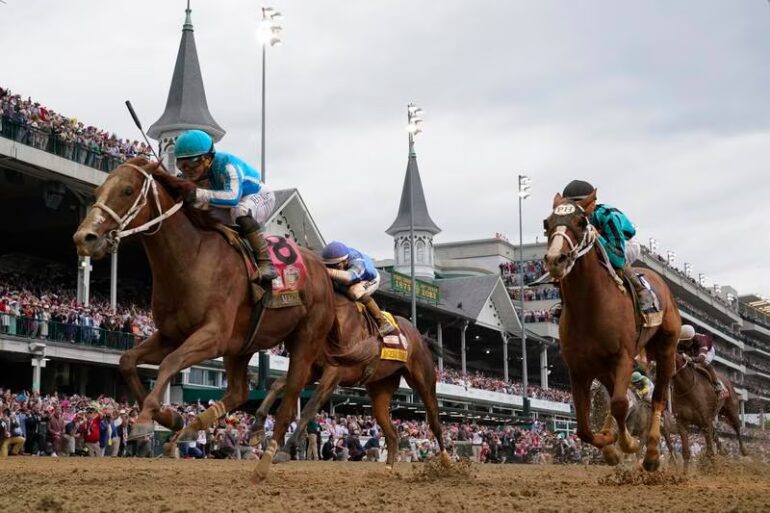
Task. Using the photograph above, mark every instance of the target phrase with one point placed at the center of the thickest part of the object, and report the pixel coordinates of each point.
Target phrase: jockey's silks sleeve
(231, 178)
(615, 229)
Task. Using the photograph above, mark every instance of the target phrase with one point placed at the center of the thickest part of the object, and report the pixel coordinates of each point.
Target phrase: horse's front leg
(581, 397)
(151, 351)
(236, 370)
(258, 430)
(664, 369)
(200, 346)
(619, 403)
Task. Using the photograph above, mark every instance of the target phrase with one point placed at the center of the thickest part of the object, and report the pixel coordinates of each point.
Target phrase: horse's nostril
(91, 237)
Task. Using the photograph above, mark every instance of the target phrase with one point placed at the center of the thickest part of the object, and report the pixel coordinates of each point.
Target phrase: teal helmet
(636, 377)
(193, 143)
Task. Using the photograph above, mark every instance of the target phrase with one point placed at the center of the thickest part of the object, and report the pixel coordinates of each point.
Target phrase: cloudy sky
(663, 105)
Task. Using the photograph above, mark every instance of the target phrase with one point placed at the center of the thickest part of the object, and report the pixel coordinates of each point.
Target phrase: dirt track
(30, 485)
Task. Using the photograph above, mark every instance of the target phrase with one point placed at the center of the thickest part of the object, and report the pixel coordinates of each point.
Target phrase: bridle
(149, 184)
(561, 228)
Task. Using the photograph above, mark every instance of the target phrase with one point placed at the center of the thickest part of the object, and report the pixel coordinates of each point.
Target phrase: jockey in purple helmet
(355, 271)
(231, 188)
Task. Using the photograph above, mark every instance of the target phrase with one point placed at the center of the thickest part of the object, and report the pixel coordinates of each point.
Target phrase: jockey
(356, 273)
(616, 235)
(231, 188)
(642, 386)
(701, 349)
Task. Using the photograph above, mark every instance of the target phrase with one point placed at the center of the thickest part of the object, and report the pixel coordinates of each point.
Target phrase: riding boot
(718, 386)
(646, 301)
(386, 327)
(252, 232)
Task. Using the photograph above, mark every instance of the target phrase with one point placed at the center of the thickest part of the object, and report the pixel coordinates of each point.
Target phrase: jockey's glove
(196, 198)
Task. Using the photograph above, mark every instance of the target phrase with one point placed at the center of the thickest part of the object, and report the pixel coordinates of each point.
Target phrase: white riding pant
(259, 206)
(363, 288)
(632, 250)
(710, 355)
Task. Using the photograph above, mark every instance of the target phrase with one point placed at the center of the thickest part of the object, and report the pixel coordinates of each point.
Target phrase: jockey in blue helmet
(231, 188)
(617, 235)
(355, 271)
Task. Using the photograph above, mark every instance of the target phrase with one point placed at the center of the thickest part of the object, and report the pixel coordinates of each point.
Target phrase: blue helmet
(636, 377)
(335, 252)
(193, 143)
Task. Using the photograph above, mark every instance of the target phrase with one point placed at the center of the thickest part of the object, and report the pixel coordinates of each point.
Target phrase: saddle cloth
(393, 346)
(287, 260)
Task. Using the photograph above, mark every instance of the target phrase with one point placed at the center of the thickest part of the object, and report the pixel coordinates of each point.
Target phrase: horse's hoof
(257, 477)
(651, 465)
(629, 445)
(140, 431)
(611, 456)
(169, 450)
(281, 457)
(445, 459)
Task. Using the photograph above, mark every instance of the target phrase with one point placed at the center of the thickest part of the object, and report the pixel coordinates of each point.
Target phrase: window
(407, 252)
(420, 249)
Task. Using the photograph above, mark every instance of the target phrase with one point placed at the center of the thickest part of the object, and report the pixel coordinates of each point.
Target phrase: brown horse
(598, 330)
(201, 299)
(695, 402)
(381, 378)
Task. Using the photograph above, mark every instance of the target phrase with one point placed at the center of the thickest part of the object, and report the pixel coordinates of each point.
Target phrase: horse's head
(569, 233)
(125, 203)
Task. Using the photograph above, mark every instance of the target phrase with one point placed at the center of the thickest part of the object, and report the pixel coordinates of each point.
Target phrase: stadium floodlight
(701, 279)
(717, 289)
(268, 33)
(653, 245)
(671, 257)
(525, 186)
(414, 116)
(688, 269)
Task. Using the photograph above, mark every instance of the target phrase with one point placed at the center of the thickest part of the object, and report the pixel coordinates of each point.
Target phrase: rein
(688, 362)
(576, 250)
(149, 184)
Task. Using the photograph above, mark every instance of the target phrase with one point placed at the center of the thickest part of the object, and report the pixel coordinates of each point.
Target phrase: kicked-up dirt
(93, 485)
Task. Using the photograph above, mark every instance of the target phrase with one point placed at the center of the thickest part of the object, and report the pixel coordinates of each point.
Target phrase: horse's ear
(588, 200)
(557, 200)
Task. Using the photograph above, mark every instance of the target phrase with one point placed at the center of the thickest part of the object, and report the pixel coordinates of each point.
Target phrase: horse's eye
(128, 191)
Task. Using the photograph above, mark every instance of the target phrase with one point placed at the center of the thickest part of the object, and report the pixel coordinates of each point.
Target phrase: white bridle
(576, 250)
(149, 184)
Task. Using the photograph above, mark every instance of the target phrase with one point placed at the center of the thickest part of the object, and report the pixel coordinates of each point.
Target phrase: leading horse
(598, 331)
(201, 299)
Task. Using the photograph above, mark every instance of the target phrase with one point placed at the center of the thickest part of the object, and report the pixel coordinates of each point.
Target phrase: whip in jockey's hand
(235, 193)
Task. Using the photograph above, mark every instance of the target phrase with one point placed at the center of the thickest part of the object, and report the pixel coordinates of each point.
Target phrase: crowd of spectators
(539, 316)
(530, 270)
(28, 122)
(535, 294)
(38, 306)
(476, 379)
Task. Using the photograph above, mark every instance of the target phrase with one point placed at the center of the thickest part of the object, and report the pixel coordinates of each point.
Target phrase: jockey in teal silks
(356, 273)
(616, 235)
(229, 187)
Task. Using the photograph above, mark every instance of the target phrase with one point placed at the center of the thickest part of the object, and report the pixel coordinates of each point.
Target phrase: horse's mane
(177, 188)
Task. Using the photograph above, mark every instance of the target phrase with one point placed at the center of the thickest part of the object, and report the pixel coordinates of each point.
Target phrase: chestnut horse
(695, 402)
(381, 380)
(201, 299)
(598, 328)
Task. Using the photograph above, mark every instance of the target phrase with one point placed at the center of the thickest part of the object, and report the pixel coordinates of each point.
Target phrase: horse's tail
(440, 352)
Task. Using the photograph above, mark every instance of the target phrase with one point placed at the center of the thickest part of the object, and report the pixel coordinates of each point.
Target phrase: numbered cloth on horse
(393, 347)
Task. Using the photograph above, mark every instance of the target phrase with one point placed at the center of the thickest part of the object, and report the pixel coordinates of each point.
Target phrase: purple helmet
(334, 253)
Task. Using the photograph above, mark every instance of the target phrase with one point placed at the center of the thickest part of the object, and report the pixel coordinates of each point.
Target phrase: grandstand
(465, 292)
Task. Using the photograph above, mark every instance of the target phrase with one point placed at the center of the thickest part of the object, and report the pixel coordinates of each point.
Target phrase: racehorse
(381, 378)
(695, 402)
(599, 330)
(201, 299)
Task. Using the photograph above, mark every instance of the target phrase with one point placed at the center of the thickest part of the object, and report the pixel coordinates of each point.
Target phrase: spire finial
(188, 19)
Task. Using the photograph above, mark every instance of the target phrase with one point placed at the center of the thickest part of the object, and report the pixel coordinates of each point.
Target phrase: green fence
(63, 332)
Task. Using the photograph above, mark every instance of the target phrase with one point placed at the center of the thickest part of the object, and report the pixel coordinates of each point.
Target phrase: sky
(662, 105)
